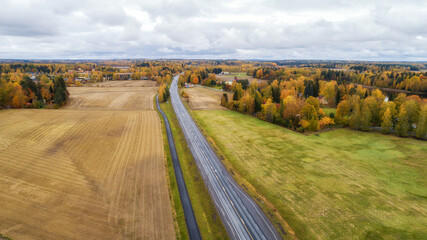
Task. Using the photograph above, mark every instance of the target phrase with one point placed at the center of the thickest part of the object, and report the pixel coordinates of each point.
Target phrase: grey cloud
(270, 29)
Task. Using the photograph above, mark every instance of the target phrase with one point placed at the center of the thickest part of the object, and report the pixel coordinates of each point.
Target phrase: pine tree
(338, 97)
(258, 102)
(224, 99)
(60, 97)
(238, 92)
(316, 88)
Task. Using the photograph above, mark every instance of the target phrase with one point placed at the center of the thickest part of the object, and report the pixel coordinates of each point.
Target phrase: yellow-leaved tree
(18, 97)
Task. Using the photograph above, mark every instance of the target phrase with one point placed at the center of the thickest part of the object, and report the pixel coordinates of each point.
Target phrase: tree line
(296, 103)
(400, 79)
(25, 93)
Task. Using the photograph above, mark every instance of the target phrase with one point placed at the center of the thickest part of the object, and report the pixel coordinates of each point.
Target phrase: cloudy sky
(224, 29)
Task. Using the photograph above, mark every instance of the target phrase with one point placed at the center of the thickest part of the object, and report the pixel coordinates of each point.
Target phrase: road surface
(241, 216)
(193, 229)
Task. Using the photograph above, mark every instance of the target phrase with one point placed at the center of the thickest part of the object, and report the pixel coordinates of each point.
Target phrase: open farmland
(240, 76)
(340, 184)
(92, 174)
(126, 83)
(111, 98)
(205, 99)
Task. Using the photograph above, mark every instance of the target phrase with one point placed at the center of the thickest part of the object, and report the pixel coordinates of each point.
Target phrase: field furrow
(94, 170)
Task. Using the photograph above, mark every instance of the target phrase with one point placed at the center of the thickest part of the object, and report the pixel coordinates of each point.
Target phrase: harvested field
(92, 174)
(111, 98)
(126, 83)
(205, 99)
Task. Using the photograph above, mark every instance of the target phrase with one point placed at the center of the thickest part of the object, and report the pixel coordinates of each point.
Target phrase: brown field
(205, 99)
(126, 83)
(111, 98)
(92, 174)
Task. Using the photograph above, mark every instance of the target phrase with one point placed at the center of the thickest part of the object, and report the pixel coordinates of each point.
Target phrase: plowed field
(92, 174)
(126, 83)
(111, 98)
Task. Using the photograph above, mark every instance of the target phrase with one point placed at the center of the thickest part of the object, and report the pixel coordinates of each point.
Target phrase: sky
(392, 30)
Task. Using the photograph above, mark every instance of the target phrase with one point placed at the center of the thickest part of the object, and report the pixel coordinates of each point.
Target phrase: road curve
(193, 229)
(241, 216)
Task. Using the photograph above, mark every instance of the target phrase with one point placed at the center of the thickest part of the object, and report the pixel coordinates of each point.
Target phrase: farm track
(92, 174)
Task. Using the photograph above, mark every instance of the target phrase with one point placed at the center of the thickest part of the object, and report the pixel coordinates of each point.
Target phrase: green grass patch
(215, 87)
(327, 111)
(208, 220)
(3, 237)
(236, 74)
(179, 216)
(341, 184)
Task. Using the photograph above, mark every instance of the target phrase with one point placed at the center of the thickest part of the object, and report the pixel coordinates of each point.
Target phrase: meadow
(340, 184)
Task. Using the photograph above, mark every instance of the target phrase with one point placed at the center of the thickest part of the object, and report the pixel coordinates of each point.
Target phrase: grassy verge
(207, 218)
(3, 237)
(179, 216)
(267, 206)
(341, 184)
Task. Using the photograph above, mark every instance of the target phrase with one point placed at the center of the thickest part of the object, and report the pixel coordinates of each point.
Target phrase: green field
(329, 110)
(207, 218)
(340, 184)
(235, 74)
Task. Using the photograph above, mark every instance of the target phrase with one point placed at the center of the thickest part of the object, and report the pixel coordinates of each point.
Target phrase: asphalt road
(193, 229)
(241, 216)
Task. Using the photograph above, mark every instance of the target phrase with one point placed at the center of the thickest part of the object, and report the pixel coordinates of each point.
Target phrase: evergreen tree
(276, 94)
(316, 89)
(60, 96)
(338, 97)
(235, 95)
(238, 92)
(309, 88)
(258, 101)
(224, 99)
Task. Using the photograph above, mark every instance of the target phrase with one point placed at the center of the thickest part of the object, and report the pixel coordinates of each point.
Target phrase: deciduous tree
(402, 125)
(421, 131)
(18, 97)
(387, 124)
